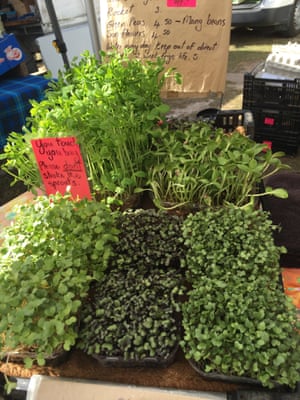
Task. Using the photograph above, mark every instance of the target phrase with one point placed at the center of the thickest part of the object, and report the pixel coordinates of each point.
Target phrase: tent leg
(59, 42)
(92, 21)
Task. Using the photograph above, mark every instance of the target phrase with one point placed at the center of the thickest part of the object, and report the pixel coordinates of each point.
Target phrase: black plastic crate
(283, 94)
(288, 141)
(288, 145)
(278, 122)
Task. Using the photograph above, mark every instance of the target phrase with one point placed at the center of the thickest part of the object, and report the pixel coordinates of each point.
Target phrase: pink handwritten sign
(181, 3)
(61, 166)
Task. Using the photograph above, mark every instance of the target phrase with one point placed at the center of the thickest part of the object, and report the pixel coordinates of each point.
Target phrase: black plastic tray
(145, 362)
(216, 376)
(213, 376)
(52, 360)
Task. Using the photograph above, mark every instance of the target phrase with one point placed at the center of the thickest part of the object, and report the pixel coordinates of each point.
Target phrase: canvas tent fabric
(191, 35)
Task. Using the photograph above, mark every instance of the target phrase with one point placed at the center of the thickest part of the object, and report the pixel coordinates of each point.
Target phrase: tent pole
(59, 43)
(92, 21)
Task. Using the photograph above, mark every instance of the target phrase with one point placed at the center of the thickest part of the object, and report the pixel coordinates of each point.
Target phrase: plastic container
(284, 60)
(283, 94)
(275, 104)
(229, 120)
(11, 53)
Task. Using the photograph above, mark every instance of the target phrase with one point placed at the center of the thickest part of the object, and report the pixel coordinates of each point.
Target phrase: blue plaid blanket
(15, 96)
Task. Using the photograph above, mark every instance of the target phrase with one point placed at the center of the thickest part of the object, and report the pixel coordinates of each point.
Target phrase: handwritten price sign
(189, 35)
(61, 166)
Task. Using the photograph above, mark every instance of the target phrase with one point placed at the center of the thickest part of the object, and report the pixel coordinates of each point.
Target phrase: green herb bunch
(49, 256)
(199, 166)
(112, 107)
(237, 321)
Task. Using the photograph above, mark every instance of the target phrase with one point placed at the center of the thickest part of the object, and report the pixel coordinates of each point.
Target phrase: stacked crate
(275, 105)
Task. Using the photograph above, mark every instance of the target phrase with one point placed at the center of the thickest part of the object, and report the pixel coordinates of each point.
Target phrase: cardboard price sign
(61, 166)
(191, 35)
(181, 3)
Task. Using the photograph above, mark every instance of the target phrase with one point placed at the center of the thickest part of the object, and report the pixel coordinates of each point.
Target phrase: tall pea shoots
(111, 108)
